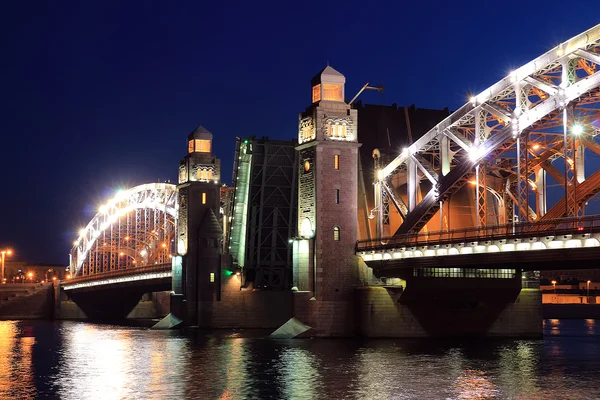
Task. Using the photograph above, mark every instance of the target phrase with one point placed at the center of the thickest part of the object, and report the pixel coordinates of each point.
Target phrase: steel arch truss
(134, 229)
(511, 131)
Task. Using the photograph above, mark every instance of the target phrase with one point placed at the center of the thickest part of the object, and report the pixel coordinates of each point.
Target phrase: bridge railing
(122, 272)
(562, 226)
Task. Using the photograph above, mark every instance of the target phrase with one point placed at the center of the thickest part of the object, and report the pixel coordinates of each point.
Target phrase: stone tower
(196, 267)
(325, 266)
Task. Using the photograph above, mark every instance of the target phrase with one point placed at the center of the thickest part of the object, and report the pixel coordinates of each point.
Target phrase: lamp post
(4, 253)
(554, 284)
(588, 290)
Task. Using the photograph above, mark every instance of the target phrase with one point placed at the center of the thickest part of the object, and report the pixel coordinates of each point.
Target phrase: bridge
(510, 146)
(124, 251)
(516, 157)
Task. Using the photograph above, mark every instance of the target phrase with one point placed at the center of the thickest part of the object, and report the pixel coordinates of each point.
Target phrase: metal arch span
(550, 92)
(133, 229)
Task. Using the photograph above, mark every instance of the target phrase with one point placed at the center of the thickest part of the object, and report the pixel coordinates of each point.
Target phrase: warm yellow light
(121, 254)
(380, 174)
(53, 278)
(164, 245)
(473, 182)
(536, 146)
(126, 237)
(75, 242)
(589, 281)
(68, 276)
(30, 274)
(8, 252)
(554, 282)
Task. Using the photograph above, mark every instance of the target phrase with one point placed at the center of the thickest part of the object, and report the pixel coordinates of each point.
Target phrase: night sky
(100, 95)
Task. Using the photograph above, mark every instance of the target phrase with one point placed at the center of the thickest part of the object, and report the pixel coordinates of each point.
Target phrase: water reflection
(85, 361)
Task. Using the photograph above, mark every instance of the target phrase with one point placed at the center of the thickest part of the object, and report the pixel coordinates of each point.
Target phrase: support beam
(411, 184)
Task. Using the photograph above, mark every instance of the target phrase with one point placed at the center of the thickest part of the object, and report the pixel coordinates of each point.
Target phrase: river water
(76, 360)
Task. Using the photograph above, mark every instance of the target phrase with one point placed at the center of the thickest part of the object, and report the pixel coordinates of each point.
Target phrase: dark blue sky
(97, 95)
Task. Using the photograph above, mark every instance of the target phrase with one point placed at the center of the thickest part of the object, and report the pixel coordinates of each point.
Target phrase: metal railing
(554, 227)
(121, 272)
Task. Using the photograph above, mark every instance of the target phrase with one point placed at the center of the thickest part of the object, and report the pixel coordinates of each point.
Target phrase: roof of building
(328, 75)
(200, 133)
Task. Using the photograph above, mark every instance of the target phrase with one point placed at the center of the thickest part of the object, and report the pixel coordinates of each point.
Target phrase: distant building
(20, 271)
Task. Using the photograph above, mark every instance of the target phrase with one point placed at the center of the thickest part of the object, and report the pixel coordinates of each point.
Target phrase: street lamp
(4, 253)
(554, 284)
(588, 290)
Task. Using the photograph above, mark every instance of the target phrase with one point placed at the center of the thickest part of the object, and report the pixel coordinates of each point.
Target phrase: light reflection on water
(71, 360)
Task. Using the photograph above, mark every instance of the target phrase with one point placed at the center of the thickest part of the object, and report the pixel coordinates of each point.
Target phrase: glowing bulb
(82, 232)
(536, 146)
(577, 130)
(143, 253)
(103, 209)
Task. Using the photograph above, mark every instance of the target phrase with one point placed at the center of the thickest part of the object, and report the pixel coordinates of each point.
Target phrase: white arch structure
(133, 229)
(529, 117)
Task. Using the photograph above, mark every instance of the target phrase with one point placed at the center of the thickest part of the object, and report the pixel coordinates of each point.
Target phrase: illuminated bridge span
(506, 147)
(566, 233)
(129, 236)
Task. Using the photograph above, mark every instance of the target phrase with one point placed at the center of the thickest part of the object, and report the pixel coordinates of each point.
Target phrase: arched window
(336, 233)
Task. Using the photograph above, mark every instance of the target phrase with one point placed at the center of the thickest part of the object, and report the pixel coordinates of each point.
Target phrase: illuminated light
(380, 174)
(143, 253)
(536, 146)
(121, 254)
(30, 275)
(68, 276)
(227, 272)
(237, 274)
(473, 100)
(103, 209)
(82, 232)
(126, 238)
(475, 153)
(163, 245)
(53, 278)
(76, 243)
(405, 151)
(104, 244)
(473, 182)
(212, 277)
(291, 241)
(170, 256)
(577, 130)
(133, 262)
(560, 52)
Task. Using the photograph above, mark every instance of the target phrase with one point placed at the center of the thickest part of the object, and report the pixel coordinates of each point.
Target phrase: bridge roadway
(542, 245)
(112, 295)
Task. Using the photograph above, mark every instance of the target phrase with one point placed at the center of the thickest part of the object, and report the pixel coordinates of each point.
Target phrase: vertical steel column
(445, 155)
(411, 183)
(540, 182)
(481, 133)
(518, 208)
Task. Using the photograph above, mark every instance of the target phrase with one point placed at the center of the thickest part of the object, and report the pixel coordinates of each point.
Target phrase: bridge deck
(585, 226)
(148, 272)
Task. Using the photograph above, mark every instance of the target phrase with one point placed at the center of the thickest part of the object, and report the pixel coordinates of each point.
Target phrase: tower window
(336, 233)
(336, 161)
(316, 93)
(332, 91)
(199, 145)
(203, 197)
(212, 277)
(337, 129)
(337, 196)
